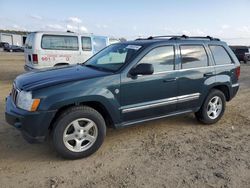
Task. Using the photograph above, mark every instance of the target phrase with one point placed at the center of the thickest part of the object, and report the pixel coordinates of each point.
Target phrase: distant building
(13, 39)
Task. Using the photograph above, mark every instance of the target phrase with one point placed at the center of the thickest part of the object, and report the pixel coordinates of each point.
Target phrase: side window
(99, 43)
(58, 42)
(162, 58)
(193, 56)
(86, 44)
(220, 55)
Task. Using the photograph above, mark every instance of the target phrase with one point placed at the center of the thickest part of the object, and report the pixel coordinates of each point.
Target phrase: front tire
(213, 107)
(79, 132)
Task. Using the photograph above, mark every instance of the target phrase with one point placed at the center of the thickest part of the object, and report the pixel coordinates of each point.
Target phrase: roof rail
(171, 37)
(179, 37)
(201, 37)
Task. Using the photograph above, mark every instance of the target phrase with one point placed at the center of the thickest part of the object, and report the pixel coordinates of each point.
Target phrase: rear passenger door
(195, 73)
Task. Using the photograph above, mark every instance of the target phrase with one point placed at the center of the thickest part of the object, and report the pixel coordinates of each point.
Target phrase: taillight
(238, 72)
(35, 58)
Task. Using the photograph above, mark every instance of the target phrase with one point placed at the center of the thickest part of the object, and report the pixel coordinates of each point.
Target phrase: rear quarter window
(220, 55)
(57, 42)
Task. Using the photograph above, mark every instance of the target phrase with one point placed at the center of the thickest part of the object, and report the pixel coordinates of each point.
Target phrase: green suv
(124, 84)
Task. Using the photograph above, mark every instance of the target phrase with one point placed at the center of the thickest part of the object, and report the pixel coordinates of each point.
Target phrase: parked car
(50, 49)
(126, 83)
(13, 48)
(2, 44)
(240, 52)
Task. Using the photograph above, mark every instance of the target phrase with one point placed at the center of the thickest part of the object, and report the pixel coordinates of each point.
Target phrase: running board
(154, 118)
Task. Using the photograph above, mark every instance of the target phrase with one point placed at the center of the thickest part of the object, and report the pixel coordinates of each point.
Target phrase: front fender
(110, 104)
(98, 90)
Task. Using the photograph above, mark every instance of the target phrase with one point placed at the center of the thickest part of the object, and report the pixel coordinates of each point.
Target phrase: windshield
(241, 51)
(113, 57)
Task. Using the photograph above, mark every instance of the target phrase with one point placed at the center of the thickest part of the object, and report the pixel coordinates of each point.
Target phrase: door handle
(169, 80)
(208, 74)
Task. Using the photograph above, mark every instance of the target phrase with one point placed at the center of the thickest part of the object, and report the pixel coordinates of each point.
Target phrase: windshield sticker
(133, 47)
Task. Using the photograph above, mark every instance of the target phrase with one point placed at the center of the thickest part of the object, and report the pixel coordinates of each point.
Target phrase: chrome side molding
(162, 102)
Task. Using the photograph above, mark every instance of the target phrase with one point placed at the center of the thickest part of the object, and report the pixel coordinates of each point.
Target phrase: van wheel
(79, 132)
(213, 107)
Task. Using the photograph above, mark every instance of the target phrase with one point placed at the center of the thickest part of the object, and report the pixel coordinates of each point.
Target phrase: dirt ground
(172, 152)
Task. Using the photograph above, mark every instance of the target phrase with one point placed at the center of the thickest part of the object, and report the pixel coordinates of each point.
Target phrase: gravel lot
(172, 152)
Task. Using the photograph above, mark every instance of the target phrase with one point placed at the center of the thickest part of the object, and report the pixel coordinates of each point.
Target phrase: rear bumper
(234, 90)
(33, 125)
(28, 68)
(31, 68)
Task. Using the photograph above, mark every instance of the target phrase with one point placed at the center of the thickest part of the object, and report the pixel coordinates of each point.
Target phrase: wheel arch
(224, 89)
(98, 106)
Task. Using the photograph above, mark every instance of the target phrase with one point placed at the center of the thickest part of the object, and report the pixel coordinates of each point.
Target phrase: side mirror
(143, 69)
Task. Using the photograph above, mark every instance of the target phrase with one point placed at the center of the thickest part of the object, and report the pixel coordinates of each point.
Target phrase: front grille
(14, 94)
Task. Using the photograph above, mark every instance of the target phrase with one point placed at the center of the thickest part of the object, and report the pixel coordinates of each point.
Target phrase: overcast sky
(227, 19)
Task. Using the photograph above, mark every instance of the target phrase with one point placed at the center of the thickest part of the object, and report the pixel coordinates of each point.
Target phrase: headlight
(25, 101)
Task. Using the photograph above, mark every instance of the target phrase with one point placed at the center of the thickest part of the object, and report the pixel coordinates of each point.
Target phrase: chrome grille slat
(14, 94)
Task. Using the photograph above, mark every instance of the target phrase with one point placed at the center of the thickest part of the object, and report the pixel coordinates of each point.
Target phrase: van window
(162, 58)
(193, 56)
(86, 44)
(99, 43)
(220, 55)
(29, 41)
(59, 42)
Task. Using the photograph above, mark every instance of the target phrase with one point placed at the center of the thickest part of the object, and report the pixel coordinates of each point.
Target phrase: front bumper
(33, 125)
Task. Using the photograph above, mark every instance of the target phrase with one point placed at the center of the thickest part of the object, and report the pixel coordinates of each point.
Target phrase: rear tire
(79, 132)
(213, 107)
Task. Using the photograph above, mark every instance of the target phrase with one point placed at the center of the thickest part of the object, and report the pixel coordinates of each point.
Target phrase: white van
(49, 49)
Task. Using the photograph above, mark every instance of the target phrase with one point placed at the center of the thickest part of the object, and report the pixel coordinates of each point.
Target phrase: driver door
(150, 96)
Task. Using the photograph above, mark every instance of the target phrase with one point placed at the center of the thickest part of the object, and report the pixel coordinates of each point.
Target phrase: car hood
(48, 77)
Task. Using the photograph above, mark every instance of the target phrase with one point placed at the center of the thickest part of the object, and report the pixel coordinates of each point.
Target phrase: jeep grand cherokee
(124, 84)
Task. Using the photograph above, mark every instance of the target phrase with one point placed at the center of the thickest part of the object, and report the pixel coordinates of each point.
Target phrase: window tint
(57, 42)
(162, 58)
(193, 56)
(86, 44)
(99, 43)
(220, 55)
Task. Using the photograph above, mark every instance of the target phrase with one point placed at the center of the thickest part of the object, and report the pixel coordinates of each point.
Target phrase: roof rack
(179, 37)
(171, 37)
